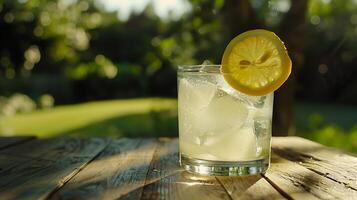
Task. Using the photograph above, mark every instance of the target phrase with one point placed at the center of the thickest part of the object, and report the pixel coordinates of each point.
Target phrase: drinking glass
(222, 132)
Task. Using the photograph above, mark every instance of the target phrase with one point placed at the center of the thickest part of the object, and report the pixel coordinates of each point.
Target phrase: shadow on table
(289, 177)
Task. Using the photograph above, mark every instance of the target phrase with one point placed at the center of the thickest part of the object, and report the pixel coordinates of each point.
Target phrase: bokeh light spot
(315, 20)
(45, 19)
(10, 73)
(9, 17)
(353, 19)
(32, 54)
(83, 5)
(323, 68)
(38, 31)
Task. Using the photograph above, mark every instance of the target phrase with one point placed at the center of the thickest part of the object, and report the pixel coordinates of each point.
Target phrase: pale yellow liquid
(218, 123)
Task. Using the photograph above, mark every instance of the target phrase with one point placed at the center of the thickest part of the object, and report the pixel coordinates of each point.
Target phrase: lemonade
(225, 111)
(219, 124)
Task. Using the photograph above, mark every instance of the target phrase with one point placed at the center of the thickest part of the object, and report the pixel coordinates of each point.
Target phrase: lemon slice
(256, 62)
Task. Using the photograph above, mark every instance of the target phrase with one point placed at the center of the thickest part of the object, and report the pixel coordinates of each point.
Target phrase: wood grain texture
(36, 176)
(6, 142)
(118, 171)
(55, 148)
(252, 187)
(328, 162)
(73, 168)
(166, 180)
(299, 182)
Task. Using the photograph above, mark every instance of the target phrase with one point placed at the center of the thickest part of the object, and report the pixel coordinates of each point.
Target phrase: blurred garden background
(108, 67)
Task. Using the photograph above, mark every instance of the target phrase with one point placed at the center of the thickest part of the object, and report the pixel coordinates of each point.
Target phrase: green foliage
(328, 124)
(271, 12)
(330, 53)
(333, 135)
(81, 42)
(101, 67)
(53, 32)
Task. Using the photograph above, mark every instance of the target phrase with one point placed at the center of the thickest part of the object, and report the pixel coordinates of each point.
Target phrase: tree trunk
(239, 16)
(292, 32)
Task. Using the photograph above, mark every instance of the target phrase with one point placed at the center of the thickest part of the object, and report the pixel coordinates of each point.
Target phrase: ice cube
(208, 66)
(188, 148)
(234, 145)
(223, 85)
(252, 101)
(226, 111)
(261, 101)
(207, 62)
(228, 145)
(208, 69)
(188, 132)
(222, 113)
(195, 151)
(262, 130)
(193, 96)
(195, 93)
(262, 127)
(258, 102)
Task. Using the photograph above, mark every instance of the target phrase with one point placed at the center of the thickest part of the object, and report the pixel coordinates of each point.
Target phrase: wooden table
(97, 168)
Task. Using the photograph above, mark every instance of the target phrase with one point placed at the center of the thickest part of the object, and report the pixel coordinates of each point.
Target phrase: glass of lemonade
(222, 131)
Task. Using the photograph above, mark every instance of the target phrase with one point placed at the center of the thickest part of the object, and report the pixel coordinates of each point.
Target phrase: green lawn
(137, 117)
(332, 125)
(328, 124)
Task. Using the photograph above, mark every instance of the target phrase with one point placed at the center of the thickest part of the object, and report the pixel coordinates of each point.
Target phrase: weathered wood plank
(166, 180)
(6, 142)
(251, 187)
(299, 182)
(323, 160)
(34, 177)
(148, 169)
(120, 169)
(10, 162)
(54, 148)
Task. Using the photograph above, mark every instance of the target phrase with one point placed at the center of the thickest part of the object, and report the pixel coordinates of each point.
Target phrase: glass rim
(211, 68)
